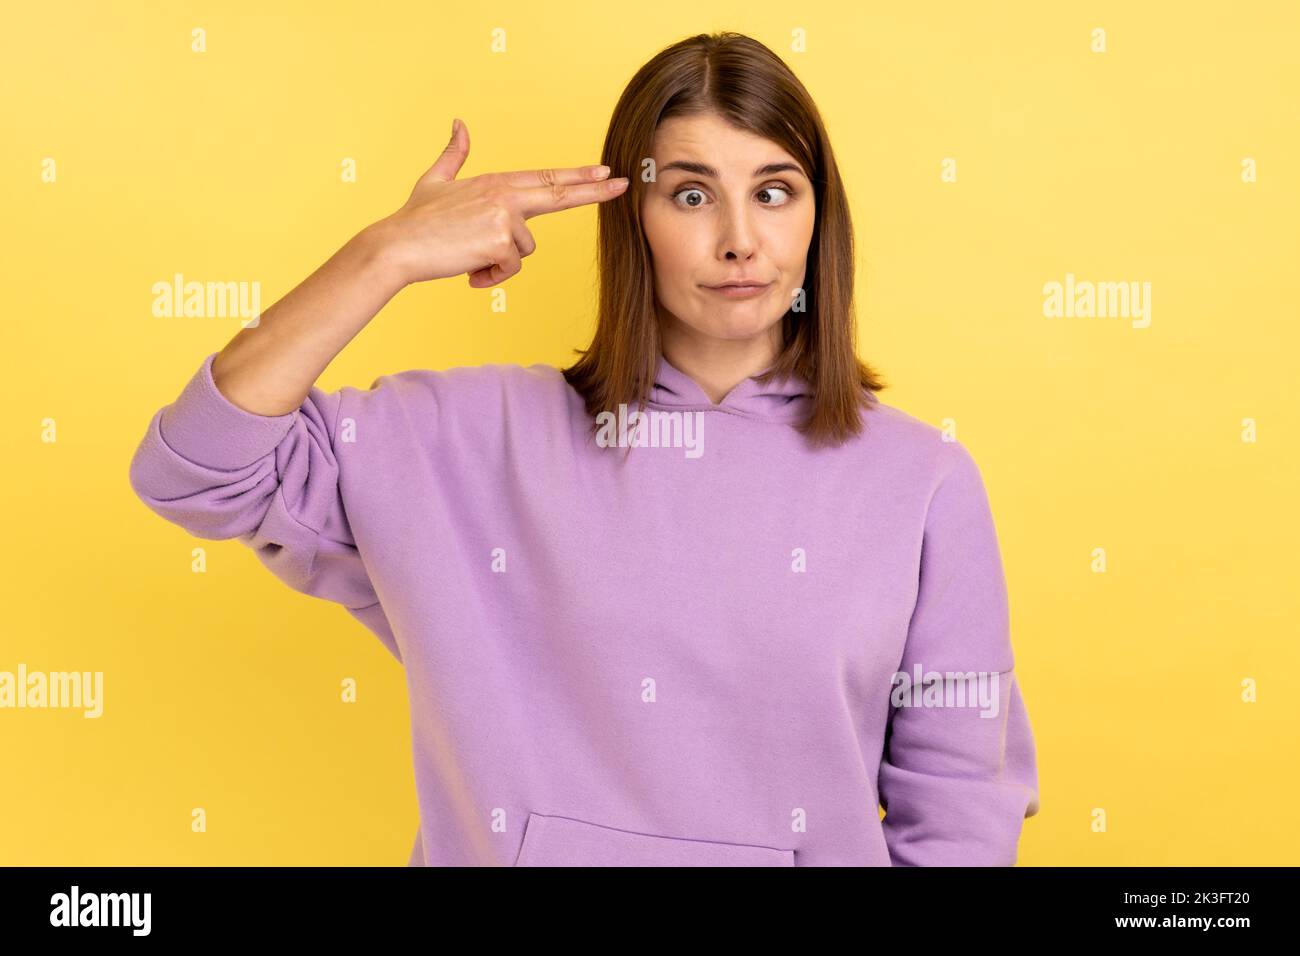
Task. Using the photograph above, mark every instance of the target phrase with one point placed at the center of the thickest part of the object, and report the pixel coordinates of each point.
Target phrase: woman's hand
(447, 227)
(476, 226)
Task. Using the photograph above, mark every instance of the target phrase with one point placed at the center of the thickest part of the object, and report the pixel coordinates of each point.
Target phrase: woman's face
(726, 205)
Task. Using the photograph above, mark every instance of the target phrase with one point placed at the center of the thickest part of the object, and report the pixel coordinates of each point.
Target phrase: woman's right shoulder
(486, 389)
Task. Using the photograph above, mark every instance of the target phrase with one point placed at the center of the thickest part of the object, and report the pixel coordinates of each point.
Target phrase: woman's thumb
(453, 155)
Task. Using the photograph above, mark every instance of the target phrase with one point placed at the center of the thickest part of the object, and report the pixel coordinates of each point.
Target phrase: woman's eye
(765, 194)
(688, 191)
(767, 190)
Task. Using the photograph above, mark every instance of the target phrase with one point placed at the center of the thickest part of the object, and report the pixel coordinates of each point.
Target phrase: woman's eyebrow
(704, 169)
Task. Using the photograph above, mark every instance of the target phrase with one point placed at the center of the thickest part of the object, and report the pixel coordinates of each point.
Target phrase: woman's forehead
(708, 141)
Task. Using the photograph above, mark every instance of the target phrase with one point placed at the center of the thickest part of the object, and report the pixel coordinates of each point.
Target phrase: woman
(662, 607)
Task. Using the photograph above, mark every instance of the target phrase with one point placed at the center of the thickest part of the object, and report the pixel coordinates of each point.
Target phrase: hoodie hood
(786, 399)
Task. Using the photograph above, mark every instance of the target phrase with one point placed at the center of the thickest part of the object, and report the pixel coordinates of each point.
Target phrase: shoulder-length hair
(748, 85)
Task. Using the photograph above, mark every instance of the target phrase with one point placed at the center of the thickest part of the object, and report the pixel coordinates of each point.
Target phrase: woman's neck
(718, 365)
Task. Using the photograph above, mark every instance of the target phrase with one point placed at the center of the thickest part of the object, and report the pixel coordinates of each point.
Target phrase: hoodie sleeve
(222, 472)
(956, 782)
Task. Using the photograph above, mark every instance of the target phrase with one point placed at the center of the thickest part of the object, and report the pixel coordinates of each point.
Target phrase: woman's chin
(736, 327)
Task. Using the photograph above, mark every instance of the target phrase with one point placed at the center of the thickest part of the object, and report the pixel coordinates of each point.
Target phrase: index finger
(534, 200)
(564, 176)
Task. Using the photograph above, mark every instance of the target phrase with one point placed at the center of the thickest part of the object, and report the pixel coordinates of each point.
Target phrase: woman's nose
(738, 235)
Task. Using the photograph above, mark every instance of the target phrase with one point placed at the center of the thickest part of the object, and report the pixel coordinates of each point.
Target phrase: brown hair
(749, 86)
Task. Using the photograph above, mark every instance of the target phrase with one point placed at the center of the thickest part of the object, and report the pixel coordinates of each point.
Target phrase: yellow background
(222, 689)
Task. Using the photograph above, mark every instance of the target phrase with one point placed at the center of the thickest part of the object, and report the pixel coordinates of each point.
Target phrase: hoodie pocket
(564, 841)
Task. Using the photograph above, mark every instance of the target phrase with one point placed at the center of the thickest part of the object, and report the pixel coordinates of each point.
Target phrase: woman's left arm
(958, 780)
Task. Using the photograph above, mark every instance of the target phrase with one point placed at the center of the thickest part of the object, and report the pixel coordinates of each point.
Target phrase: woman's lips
(739, 291)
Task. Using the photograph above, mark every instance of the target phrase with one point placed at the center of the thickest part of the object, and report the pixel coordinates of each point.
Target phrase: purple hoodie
(719, 648)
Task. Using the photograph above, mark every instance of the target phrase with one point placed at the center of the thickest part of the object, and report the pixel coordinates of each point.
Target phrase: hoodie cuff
(205, 427)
